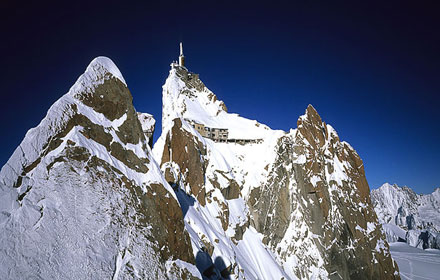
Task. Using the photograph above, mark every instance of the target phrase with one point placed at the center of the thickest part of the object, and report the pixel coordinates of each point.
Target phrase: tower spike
(181, 56)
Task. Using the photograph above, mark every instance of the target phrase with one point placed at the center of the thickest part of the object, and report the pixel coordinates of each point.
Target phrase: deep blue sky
(371, 70)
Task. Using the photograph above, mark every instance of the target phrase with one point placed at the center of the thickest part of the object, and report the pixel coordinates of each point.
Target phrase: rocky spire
(181, 56)
(85, 182)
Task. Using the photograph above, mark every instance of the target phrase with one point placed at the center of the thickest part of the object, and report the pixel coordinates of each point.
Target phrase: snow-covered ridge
(99, 70)
(103, 65)
(294, 205)
(37, 140)
(407, 216)
(403, 207)
(185, 96)
(82, 196)
(36, 145)
(271, 190)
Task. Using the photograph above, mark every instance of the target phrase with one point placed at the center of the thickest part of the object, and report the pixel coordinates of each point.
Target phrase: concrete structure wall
(216, 134)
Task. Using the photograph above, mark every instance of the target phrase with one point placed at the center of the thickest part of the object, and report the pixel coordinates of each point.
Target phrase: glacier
(407, 216)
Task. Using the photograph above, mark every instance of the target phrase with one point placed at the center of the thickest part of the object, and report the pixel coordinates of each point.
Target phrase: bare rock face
(319, 184)
(345, 204)
(81, 197)
(184, 149)
(302, 196)
(271, 205)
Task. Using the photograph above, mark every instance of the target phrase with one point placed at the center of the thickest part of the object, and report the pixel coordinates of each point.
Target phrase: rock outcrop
(188, 153)
(302, 196)
(84, 196)
(81, 197)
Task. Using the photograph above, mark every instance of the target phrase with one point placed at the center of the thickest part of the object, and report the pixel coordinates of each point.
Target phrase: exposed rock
(271, 204)
(346, 212)
(179, 270)
(305, 191)
(184, 149)
(88, 201)
(166, 216)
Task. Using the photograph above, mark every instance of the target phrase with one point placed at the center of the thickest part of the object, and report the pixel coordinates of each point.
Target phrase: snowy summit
(219, 196)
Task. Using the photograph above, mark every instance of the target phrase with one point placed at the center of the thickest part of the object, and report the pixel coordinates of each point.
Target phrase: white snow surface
(147, 121)
(400, 205)
(100, 69)
(249, 166)
(407, 216)
(71, 223)
(179, 100)
(414, 263)
(394, 233)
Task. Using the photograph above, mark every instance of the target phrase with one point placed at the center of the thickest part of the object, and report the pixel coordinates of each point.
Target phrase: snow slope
(414, 218)
(402, 206)
(241, 164)
(78, 196)
(276, 197)
(414, 263)
(84, 196)
(184, 95)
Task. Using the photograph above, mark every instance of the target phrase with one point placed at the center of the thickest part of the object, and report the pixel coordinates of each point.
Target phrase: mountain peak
(99, 95)
(104, 64)
(388, 186)
(248, 195)
(408, 216)
(84, 181)
(311, 116)
(186, 96)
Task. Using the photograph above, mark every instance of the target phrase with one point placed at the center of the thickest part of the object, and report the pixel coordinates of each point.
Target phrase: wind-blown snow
(181, 101)
(414, 263)
(99, 70)
(78, 224)
(249, 166)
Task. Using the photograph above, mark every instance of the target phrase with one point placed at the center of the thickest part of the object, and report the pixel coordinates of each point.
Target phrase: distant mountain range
(407, 216)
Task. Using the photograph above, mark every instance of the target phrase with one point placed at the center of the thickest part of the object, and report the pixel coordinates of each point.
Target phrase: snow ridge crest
(98, 71)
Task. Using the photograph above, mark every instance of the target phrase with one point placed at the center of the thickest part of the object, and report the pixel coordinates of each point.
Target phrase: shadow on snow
(204, 263)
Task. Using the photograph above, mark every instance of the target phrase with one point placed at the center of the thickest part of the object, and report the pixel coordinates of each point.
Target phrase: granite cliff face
(82, 198)
(319, 185)
(300, 198)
